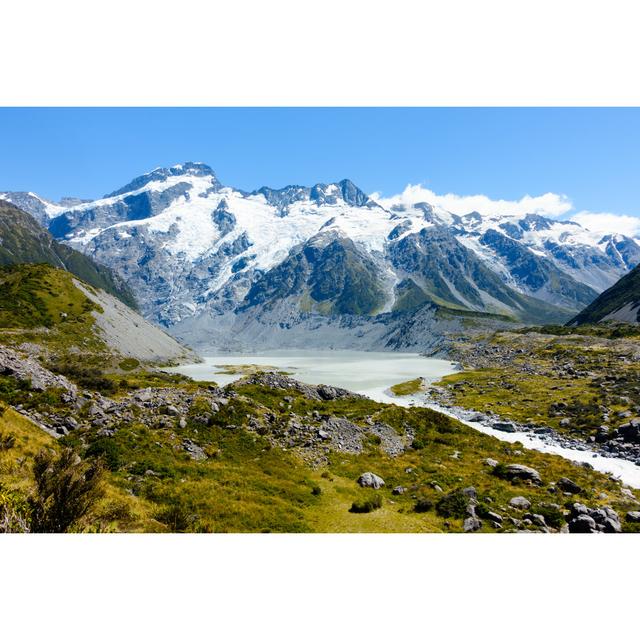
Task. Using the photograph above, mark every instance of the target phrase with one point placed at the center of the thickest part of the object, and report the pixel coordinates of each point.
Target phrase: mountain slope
(62, 317)
(22, 240)
(619, 303)
(199, 253)
(450, 274)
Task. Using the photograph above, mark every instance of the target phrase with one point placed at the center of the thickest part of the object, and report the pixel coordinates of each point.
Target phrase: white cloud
(549, 204)
(606, 223)
(552, 205)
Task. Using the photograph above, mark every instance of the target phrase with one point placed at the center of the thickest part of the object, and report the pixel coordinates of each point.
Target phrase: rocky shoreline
(615, 446)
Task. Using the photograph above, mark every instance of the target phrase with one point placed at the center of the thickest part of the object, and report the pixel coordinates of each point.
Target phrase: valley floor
(269, 453)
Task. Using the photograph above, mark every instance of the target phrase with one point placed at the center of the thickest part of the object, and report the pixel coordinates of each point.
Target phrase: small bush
(316, 490)
(418, 444)
(453, 505)
(367, 506)
(66, 489)
(482, 510)
(423, 505)
(500, 470)
(177, 517)
(108, 450)
(85, 377)
(14, 512)
(552, 515)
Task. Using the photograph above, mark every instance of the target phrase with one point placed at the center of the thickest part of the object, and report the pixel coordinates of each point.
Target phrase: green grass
(40, 304)
(408, 388)
(544, 393)
(520, 398)
(249, 484)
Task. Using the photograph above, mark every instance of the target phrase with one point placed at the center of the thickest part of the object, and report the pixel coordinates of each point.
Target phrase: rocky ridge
(204, 256)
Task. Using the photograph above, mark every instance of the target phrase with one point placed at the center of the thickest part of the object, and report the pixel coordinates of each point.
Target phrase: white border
(334, 52)
(142, 52)
(314, 586)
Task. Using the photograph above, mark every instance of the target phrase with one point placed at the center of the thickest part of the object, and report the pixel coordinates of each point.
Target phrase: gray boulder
(519, 502)
(371, 480)
(507, 427)
(471, 524)
(565, 484)
(583, 524)
(586, 520)
(522, 472)
(633, 516)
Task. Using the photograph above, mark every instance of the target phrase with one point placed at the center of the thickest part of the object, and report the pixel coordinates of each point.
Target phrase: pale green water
(368, 373)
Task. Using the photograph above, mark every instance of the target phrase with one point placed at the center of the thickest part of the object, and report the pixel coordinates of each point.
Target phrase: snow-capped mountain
(42, 210)
(192, 248)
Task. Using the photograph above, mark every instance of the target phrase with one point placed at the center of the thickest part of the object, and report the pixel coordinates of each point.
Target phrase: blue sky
(590, 155)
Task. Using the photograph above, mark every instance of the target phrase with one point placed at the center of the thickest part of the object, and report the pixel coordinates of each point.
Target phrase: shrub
(177, 517)
(367, 506)
(85, 377)
(418, 444)
(423, 505)
(316, 490)
(108, 450)
(66, 489)
(500, 470)
(552, 515)
(453, 505)
(14, 512)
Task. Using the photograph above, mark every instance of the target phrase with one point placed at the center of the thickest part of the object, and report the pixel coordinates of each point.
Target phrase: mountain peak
(321, 193)
(160, 174)
(345, 190)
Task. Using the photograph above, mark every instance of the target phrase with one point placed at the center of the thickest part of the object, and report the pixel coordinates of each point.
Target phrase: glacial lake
(371, 374)
(365, 372)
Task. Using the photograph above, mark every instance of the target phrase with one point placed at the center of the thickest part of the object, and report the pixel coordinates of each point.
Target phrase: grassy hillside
(48, 312)
(41, 304)
(20, 442)
(23, 240)
(623, 292)
(249, 476)
(573, 379)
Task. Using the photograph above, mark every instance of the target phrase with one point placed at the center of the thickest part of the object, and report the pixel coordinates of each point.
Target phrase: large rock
(371, 480)
(586, 520)
(633, 516)
(521, 472)
(280, 381)
(471, 524)
(507, 427)
(568, 485)
(583, 524)
(519, 502)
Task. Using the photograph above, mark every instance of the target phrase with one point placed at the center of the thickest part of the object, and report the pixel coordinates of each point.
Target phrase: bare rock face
(29, 369)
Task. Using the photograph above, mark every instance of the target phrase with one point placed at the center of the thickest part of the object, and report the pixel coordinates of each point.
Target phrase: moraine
(371, 374)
